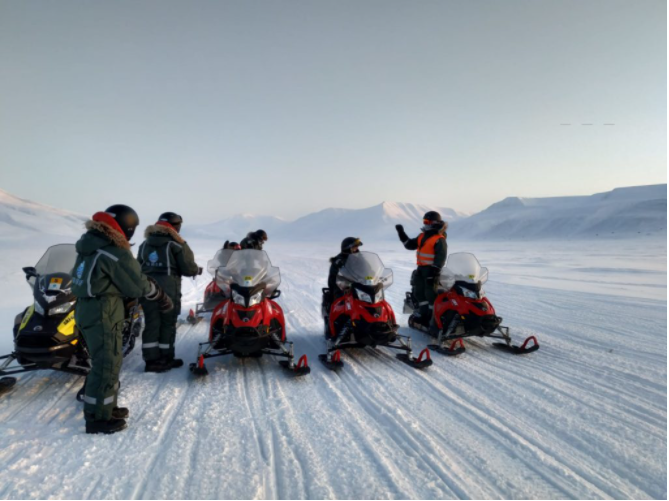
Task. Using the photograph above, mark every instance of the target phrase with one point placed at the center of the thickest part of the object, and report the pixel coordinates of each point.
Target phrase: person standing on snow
(254, 240)
(165, 257)
(431, 249)
(105, 273)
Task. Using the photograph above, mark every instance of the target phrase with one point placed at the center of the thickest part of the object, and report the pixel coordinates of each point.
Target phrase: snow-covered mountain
(375, 223)
(235, 228)
(21, 219)
(620, 213)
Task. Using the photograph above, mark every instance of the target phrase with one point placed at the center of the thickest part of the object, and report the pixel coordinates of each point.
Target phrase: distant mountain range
(330, 224)
(620, 213)
(623, 212)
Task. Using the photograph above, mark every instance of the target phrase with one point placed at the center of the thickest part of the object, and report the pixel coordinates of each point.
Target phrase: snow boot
(156, 366)
(418, 322)
(106, 427)
(120, 413)
(173, 363)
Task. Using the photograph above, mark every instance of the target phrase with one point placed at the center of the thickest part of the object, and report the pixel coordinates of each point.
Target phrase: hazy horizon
(211, 109)
(198, 222)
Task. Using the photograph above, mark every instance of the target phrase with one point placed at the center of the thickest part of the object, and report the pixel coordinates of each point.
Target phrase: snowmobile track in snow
(584, 417)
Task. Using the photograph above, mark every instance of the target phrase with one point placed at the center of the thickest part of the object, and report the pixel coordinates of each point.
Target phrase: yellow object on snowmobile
(66, 327)
(27, 316)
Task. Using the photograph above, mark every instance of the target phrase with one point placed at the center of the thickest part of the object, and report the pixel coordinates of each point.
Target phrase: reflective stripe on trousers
(93, 401)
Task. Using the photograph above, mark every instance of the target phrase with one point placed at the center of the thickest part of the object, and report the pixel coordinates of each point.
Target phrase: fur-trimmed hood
(161, 230)
(116, 237)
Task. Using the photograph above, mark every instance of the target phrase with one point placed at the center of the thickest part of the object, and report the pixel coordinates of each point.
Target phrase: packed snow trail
(584, 417)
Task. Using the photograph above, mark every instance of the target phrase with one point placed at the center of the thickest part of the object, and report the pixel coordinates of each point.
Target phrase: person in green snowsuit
(105, 273)
(165, 257)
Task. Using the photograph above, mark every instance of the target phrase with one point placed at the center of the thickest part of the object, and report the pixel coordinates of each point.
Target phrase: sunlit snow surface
(584, 417)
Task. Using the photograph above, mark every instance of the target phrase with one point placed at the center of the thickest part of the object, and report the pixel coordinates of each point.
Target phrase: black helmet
(234, 246)
(173, 218)
(432, 221)
(260, 235)
(125, 217)
(348, 243)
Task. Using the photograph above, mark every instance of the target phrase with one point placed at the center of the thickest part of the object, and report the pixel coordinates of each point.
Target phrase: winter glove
(433, 272)
(157, 294)
(432, 278)
(401, 233)
(165, 304)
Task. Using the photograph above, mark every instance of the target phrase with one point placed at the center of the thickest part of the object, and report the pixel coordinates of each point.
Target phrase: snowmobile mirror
(275, 294)
(30, 271)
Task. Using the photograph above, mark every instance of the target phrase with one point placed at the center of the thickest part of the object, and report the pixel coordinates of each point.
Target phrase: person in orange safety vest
(431, 248)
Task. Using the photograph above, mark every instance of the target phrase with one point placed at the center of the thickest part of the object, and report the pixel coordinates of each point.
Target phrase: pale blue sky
(210, 108)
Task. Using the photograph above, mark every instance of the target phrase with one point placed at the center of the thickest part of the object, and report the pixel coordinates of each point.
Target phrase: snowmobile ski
(6, 384)
(423, 361)
(519, 350)
(198, 368)
(333, 362)
(457, 347)
(192, 318)
(300, 369)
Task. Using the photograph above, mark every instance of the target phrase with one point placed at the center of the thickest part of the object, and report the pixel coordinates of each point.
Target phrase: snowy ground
(584, 417)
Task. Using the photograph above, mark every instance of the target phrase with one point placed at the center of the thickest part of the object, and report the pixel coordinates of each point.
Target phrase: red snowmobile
(213, 295)
(248, 323)
(461, 310)
(361, 317)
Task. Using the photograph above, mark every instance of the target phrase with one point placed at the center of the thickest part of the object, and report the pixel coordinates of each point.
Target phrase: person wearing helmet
(105, 273)
(254, 240)
(350, 245)
(431, 249)
(231, 245)
(166, 257)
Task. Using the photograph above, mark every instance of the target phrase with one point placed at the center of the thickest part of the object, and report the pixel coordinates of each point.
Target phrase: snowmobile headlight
(238, 298)
(379, 296)
(39, 309)
(255, 299)
(363, 296)
(63, 308)
(469, 294)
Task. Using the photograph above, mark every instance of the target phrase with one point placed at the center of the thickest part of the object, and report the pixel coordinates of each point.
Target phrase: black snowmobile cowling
(52, 293)
(45, 334)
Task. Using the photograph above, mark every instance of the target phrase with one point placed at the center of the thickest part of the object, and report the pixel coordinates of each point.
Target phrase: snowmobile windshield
(463, 267)
(365, 268)
(220, 259)
(249, 268)
(57, 259)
